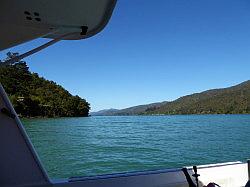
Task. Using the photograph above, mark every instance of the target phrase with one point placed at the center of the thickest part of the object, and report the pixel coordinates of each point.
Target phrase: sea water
(110, 144)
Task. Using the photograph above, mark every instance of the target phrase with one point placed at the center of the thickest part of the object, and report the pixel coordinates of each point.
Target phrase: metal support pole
(248, 168)
(35, 50)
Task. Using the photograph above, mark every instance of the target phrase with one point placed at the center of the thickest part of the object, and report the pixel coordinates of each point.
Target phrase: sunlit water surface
(100, 145)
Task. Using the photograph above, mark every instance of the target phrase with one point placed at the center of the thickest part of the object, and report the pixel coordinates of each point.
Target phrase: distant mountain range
(135, 110)
(105, 112)
(231, 100)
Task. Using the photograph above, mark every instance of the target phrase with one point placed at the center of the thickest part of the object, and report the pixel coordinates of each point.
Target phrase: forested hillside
(232, 100)
(33, 96)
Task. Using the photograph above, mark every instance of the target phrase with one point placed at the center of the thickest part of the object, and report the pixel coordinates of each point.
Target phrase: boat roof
(25, 20)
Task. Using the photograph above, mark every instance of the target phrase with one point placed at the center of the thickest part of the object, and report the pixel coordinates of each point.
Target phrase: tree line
(34, 96)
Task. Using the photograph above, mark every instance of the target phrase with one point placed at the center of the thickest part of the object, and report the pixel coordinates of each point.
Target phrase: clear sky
(152, 51)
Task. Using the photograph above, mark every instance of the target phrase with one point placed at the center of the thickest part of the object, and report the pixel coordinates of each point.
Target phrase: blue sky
(152, 51)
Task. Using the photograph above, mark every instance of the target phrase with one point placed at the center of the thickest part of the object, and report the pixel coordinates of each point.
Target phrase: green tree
(32, 95)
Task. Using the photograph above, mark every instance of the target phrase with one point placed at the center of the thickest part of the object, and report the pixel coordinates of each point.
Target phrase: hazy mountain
(231, 100)
(135, 110)
(105, 112)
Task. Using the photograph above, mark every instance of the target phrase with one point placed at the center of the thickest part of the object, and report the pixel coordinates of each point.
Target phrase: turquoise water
(100, 145)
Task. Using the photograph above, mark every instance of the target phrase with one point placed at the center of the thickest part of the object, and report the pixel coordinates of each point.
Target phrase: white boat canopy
(22, 21)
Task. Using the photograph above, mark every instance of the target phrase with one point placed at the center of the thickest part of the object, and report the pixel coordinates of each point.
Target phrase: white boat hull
(232, 174)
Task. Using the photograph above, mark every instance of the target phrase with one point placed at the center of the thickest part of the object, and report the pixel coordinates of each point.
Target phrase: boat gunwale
(144, 173)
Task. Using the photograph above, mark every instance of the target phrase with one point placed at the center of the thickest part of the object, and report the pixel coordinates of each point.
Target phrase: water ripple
(100, 145)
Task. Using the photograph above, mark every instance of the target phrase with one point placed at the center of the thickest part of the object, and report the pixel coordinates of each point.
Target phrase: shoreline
(41, 117)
